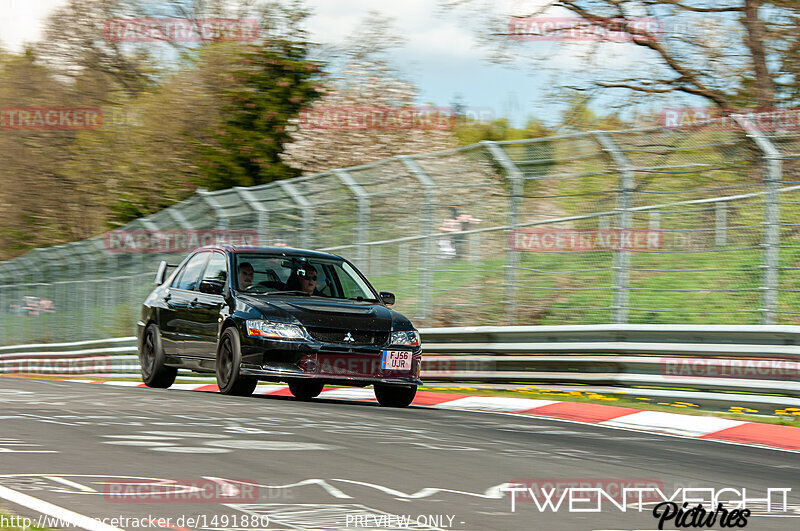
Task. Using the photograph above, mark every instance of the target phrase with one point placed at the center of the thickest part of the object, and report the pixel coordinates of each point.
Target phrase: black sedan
(280, 315)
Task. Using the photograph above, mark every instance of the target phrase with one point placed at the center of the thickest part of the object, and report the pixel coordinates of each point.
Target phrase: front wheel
(151, 359)
(395, 395)
(305, 389)
(229, 360)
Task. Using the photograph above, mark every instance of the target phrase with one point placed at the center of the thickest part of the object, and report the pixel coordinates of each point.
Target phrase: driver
(246, 272)
(304, 279)
(308, 281)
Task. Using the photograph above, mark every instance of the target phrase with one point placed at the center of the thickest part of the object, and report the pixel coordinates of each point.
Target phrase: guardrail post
(624, 222)
(306, 213)
(362, 215)
(515, 178)
(772, 215)
(429, 186)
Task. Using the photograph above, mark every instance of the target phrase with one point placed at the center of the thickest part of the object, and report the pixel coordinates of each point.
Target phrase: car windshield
(299, 276)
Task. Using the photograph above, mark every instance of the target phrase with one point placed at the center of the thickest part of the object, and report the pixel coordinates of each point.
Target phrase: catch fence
(693, 225)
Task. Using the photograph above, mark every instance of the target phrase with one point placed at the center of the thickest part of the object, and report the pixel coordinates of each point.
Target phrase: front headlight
(407, 338)
(259, 327)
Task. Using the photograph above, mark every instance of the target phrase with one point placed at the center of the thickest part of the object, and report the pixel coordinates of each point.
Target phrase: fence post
(772, 214)
(429, 186)
(362, 214)
(402, 258)
(654, 223)
(720, 224)
(515, 177)
(306, 213)
(624, 222)
(262, 213)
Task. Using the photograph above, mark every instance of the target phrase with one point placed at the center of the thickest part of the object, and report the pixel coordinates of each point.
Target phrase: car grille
(335, 335)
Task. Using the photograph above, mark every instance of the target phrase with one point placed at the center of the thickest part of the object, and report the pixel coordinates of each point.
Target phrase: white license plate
(396, 360)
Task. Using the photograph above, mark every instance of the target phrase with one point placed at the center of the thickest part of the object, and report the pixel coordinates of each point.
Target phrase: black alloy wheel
(151, 359)
(229, 359)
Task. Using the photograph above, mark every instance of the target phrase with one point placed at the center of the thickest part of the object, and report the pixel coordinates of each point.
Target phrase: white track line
(65, 515)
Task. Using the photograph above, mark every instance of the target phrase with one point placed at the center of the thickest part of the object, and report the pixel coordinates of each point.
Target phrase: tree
(267, 87)
(366, 81)
(730, 53)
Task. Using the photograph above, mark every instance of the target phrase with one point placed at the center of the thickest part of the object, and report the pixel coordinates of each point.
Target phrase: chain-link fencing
(692, 225)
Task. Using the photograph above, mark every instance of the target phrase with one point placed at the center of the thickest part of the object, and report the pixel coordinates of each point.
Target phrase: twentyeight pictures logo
(181, 30)
(51, 118)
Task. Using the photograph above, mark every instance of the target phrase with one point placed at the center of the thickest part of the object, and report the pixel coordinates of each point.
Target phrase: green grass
(474, 293)
(464, 297)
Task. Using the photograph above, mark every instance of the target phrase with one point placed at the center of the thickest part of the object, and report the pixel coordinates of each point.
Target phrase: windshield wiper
(290, 292)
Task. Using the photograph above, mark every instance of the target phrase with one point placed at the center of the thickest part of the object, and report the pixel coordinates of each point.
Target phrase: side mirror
(161, 274)
(387, 298)
(213, 287)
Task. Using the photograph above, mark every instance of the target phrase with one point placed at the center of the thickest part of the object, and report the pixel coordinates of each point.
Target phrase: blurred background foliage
(183, 116)
(214, 114)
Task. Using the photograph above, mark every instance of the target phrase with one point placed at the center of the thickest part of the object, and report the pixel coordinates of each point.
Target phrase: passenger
(246, 273)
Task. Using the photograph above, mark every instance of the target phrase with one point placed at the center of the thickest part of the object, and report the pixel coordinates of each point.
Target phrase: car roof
(277, 251)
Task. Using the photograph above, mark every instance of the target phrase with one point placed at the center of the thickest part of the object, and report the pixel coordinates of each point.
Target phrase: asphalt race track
(121, 452)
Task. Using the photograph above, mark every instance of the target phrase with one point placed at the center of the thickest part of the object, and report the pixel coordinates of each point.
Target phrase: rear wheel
(305, 389)
(395, 395)
(229, 360)
(151, 359)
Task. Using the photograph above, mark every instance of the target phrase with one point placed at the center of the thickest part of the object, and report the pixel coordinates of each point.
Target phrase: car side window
(191, 272)
(217, 268)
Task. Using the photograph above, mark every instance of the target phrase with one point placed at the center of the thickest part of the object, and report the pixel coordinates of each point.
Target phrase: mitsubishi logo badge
(349, 337)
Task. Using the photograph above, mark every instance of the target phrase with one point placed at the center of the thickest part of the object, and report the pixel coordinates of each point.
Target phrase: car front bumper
(357, 366)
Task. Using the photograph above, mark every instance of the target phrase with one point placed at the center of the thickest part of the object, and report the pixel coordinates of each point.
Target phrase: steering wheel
(256, 288)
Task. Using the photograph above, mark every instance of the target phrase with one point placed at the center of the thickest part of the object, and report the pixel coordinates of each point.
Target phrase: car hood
(314, 312)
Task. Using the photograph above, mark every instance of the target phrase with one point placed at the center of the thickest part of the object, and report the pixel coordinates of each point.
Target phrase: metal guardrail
(756, 359)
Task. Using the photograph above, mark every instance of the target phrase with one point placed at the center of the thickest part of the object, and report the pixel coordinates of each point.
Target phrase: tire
(229, 360)
(395, 395)
(151, 360)
(305, 389)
